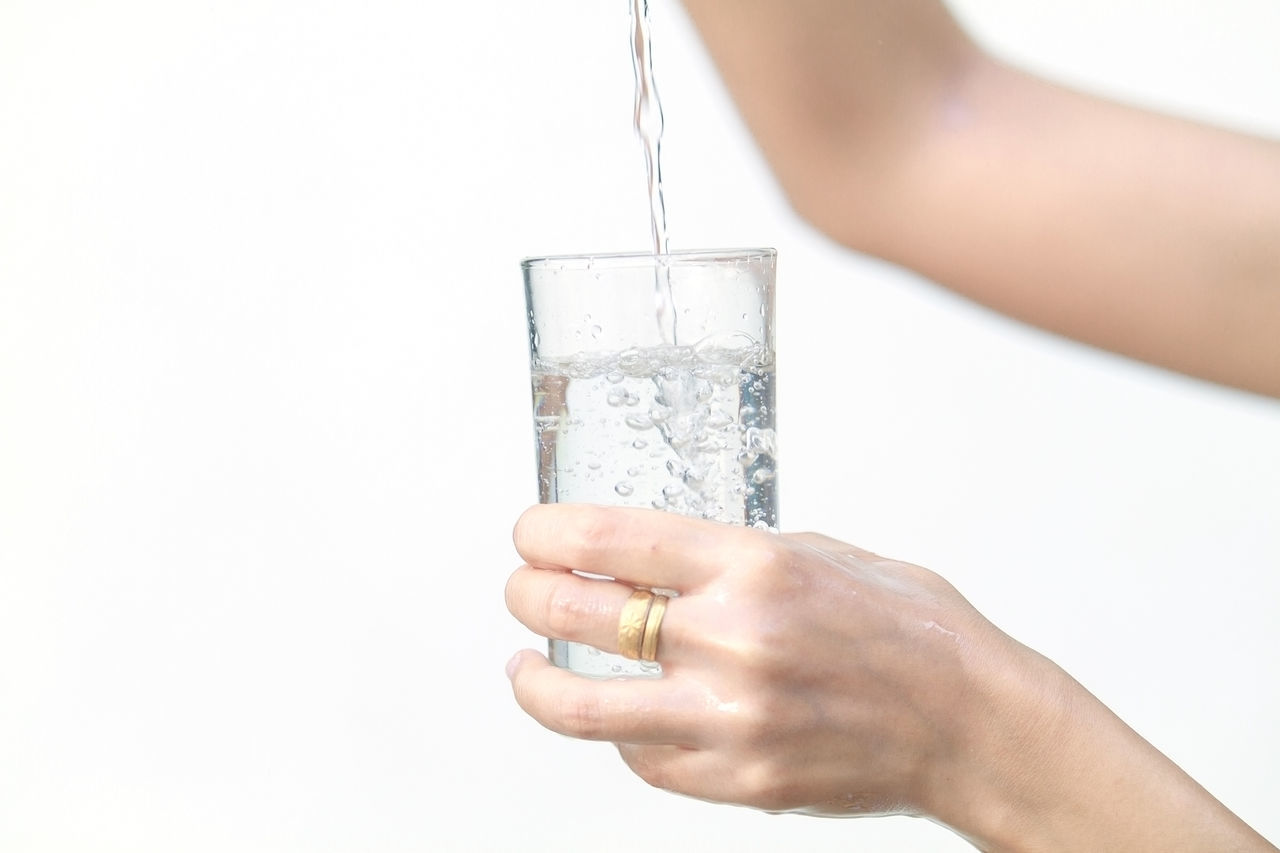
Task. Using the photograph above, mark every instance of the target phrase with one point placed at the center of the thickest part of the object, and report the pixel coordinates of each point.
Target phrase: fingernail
(512, 666)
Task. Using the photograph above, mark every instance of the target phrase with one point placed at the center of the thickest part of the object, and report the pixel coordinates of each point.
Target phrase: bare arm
(889, 130)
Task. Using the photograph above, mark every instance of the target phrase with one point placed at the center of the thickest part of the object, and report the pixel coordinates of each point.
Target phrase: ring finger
(564, 606)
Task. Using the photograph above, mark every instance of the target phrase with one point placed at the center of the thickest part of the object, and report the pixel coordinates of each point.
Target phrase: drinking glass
(653, 386)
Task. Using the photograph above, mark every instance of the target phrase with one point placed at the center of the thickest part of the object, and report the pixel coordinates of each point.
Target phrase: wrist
(1039, 763)
(1007, 740)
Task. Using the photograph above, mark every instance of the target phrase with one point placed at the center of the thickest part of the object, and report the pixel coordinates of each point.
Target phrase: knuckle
(761, 785)
(511, 593)
(581, 715)
(591, 531)
(562, 610)
(767, 570)
(806, 537)
(762, 555)
(523, 530)
(654, 773)
(757, 729)
(758, 644)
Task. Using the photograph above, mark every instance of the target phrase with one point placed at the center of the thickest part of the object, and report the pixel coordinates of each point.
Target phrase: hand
(800, 673)
(803, 674)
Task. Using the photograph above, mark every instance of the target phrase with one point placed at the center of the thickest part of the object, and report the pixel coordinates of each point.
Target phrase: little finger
(642, 710)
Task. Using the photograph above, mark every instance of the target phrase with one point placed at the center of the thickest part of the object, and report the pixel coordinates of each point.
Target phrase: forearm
(1047, 767)
(1143, 234)
(891, 132)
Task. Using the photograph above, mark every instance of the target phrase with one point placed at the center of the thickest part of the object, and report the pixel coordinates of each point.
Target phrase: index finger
(643, 547)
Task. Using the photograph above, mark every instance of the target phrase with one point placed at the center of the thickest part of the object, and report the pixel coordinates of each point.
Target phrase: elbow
(835, 191)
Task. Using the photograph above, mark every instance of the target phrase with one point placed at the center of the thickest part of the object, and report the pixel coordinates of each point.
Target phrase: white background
(264, 421)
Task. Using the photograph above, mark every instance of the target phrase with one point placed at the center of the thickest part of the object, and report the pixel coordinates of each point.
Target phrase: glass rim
(623, 259)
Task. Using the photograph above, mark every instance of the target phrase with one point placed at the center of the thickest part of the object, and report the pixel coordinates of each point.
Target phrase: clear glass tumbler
(653, 386)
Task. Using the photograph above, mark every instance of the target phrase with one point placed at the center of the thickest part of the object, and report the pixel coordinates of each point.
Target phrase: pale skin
(891, 131)
(803, 674)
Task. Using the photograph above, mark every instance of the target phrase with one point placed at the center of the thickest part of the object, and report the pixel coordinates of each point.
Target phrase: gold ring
(631, 625)
(649, 645)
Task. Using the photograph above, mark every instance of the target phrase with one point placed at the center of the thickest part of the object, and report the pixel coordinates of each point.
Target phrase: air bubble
(760, 441)
(694, 478)
(621, 397)
(626, 490)
(632, 361)
(639, 444)
(639, 421)
(718, 420)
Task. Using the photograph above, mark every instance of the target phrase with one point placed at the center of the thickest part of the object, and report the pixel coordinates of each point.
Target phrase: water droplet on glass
(626, 490)
(639, 444)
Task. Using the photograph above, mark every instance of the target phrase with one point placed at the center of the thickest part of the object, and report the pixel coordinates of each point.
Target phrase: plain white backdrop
(264, 421)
